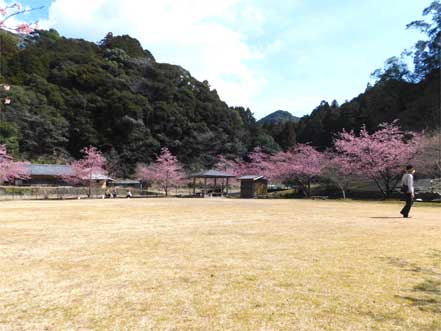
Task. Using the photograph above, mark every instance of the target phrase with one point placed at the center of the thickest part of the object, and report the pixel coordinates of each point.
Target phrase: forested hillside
(415, 105)
(68, 93)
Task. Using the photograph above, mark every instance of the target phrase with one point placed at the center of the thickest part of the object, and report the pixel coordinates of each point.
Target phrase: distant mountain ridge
(279, 116)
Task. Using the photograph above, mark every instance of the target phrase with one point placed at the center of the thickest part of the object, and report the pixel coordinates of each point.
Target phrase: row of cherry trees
(379, 157)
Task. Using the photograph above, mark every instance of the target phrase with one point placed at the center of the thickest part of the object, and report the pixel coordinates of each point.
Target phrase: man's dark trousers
(409, 201)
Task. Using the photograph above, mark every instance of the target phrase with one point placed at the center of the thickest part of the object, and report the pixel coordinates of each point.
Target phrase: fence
(62, 193)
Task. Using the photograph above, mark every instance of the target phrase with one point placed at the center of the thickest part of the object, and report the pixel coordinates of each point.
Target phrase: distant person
(129, 194)
(408, 189)
(114, 194)
(107, 194)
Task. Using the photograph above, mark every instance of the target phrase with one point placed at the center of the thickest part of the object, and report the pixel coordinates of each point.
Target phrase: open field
(218, 264)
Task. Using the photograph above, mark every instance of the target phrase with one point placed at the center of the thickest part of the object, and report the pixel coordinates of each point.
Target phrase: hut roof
(101, 177)
(49, 170)
(127, 182)
(251, 177)
(58, 170)
(212, 174)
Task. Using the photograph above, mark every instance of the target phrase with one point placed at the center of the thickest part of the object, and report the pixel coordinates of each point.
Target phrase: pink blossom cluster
(303, 159)
(259, 163)
(303, 162)
(7, 88)
(84, 170)
(15, 10)
(10, 170)
(165, 172)
(380, 156)
(385, 151)
(429, 157)
(7, 13)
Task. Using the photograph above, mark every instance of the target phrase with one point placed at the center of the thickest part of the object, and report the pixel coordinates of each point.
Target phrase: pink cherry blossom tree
(429, 160)
(338, 170)
(230, 166)
(302, 164)
(16, 9)
(6, 14)
(84, 171)
(10, 170)
(258, 163)
(166, 171)
(380, 156)
(145, 174)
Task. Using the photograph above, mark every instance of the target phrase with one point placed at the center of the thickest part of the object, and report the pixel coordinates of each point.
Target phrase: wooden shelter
(211, 174)
(253, 186)
(52, 175)
(47, 174)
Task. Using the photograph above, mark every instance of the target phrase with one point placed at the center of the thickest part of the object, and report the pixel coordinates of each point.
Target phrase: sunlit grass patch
(218, 264)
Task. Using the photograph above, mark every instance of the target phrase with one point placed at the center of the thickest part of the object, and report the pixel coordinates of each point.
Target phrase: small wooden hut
(253, 186)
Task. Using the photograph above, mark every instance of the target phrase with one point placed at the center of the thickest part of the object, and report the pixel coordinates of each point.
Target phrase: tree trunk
(89, 193)
(388, 189)
(166, 186)
(342, 191)
(303, 188)
(380, 188)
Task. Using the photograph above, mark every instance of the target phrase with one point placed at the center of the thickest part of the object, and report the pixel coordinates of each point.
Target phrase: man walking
(408, 190)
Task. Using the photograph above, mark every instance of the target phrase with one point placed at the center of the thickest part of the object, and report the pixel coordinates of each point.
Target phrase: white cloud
(196, 34)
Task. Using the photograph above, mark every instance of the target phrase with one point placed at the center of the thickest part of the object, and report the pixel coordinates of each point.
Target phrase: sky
(261, 54)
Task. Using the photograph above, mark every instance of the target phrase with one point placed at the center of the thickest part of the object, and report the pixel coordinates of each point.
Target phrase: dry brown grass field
(218, 264)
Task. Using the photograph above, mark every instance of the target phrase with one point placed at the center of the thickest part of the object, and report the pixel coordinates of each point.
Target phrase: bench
(319, 197)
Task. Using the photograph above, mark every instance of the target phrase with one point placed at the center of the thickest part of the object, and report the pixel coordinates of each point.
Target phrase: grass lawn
(218, 264)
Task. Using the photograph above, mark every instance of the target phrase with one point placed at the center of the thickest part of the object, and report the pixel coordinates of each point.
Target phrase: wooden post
(227, 185)
(205, 186)
(194, 186)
